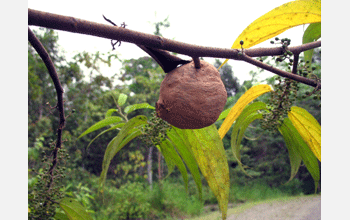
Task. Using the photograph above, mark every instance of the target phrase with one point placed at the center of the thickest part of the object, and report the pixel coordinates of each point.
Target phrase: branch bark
(75, 25)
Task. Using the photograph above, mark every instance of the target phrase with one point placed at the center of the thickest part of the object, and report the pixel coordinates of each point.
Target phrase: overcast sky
(214, 23)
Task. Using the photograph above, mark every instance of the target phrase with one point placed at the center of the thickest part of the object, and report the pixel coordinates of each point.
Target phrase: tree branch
(75, 25)
(34, 41)
(279, 72)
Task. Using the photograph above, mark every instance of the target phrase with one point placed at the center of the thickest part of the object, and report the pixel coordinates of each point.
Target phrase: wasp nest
(191, 98)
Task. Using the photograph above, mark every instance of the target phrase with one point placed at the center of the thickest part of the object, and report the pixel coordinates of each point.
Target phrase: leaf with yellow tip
(244, 100)
(277, 21)
(209, 152)
(308, 127)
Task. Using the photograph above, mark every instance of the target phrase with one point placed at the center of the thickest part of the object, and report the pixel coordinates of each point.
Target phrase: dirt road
(303, 208)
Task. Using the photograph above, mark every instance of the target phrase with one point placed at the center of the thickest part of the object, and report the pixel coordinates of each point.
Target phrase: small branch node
(113, 42)
(197, 62)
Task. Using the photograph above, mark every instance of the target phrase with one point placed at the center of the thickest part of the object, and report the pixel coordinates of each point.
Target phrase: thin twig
(279, 72)
(34, 41)
(295, 63)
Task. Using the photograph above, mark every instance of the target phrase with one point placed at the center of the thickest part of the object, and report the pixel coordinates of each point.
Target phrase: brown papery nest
(191, 98)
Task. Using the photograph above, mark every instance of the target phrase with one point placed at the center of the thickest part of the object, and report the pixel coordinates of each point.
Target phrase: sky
(215, 24)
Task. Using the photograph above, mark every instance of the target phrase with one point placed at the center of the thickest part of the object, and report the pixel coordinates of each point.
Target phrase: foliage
(231, 82)
(130, 202)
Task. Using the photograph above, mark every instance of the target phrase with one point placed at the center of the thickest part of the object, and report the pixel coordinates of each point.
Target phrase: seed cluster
(46, 192)
(281, 99)
(285, 90)
(154, 132)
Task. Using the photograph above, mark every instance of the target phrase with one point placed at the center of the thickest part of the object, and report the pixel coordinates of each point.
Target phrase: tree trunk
(149, 167)
(160, 169)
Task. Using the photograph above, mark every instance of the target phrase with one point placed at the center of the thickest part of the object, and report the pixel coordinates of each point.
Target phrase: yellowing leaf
(244, 100)
(210, 155)
(279, 20)
(308, 128)
(296, 141)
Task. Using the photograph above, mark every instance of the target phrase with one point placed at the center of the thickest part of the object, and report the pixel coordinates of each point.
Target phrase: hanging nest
(191, 98)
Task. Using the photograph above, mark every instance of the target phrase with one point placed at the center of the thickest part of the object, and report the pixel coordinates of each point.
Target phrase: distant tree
(227, 76)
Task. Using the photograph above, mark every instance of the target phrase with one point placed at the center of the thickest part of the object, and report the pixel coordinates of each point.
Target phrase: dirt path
(303, 208)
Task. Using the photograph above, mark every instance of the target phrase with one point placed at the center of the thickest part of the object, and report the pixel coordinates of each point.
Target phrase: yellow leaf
(308, 128)
(277, 21)
(244, 100)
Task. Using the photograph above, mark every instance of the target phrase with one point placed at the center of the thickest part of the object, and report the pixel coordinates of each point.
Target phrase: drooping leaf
(244, 100)
(210, 155)
(110, 112)
(172, 158)
(237, 128)
(122, 99)
(312, 33)
(74, 210)
(119, 142)
(306, 154)
(101, 124)
(294, 156)
(238, 133)
(178, 140)
(133, 133)
(277, 21)
(308, 127)
(119, 125)
(134, 107)
(168, 157)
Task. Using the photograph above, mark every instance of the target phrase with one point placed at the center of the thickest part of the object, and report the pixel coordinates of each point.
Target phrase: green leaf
(119, 142)
(178, 140)
(210, 155)
(61, 216)
(294, 156)
(312, 33)
(110, 112)
(133, 133)
(235, 143)
(134, 107)
(119, 125)
(172, 158)
(224, 114)
(122, 99)
(101, 124)
(74, 210)
(238, 132)
(306, 154)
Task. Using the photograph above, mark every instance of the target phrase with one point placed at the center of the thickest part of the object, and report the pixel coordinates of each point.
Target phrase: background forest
(138, 183)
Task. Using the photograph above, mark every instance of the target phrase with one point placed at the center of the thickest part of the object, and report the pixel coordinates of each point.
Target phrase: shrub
(130, 202)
